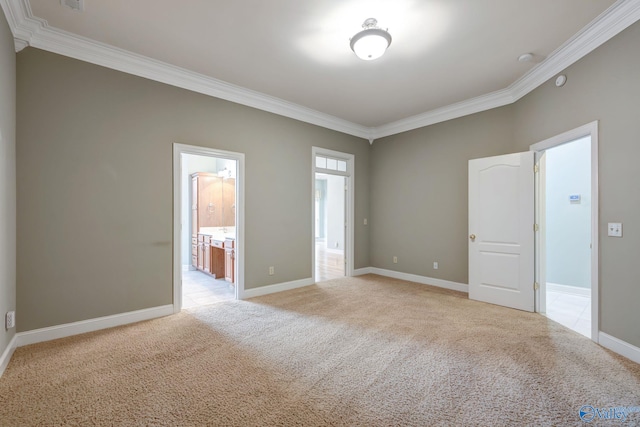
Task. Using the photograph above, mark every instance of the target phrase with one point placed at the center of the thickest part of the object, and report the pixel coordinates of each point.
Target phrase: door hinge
(535, 227)
(536, 169)
(536, 286)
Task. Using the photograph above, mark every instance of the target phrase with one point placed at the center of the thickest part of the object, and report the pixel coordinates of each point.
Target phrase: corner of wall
(7, 187)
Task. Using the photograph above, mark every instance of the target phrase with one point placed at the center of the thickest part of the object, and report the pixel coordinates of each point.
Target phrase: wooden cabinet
(200, 252)
(194, 251)
(206, 201)
(229, 260)
(207, 254)
(217, 259)
(213, 206)
(213, 201)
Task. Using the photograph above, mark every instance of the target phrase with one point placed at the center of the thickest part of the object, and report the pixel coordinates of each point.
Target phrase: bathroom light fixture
(371, 42)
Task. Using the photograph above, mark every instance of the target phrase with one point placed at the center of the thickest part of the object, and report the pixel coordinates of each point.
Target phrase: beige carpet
(367, 351)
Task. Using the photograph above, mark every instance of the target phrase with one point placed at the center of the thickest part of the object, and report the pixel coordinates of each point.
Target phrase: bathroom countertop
(217, 234)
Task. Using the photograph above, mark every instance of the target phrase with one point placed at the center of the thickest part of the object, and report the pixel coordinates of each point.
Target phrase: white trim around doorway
(349, 175)
(590, 129)
(178, 150)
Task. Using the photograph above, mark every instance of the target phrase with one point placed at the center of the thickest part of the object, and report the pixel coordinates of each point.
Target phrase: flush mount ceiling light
(371, 42)
(525, 57)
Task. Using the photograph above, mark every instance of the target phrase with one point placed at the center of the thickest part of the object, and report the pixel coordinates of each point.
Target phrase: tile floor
(572, 311)
(201, 289)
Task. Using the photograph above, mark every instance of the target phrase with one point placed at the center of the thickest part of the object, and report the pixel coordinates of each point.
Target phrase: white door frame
(590, 129)
(178, 150)
(349, 205)
(540, 194)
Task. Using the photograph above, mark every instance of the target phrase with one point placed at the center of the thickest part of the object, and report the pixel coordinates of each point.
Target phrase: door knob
(472, 237)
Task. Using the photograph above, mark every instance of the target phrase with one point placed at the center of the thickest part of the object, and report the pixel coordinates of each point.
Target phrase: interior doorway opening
(567, 209)
(332, 214)
(209, 239)
(567, 231)
(208, 226)
(330, 197)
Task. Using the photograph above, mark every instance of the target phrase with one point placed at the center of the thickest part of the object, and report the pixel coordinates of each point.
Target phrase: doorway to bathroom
(567, 206)
(207, 196)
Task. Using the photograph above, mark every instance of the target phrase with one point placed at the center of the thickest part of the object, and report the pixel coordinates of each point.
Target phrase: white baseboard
(566, 289)
(454, 286)
(6, 355)
(362, 271)
(272, 289)
(616, 345)
(90, 325)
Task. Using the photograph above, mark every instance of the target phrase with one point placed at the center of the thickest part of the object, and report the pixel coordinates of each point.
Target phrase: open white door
(501, 230)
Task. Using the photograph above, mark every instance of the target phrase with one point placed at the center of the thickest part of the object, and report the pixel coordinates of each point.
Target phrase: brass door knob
(472, 237)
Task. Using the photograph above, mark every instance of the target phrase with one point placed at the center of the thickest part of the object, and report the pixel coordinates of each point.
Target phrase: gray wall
(419, 178)
(7, 180)
(95, 187)
(419, 193)
(94, 183)
(568, 224)
(604, 86)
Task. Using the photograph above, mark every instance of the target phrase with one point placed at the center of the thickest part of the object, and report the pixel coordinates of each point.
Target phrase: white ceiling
(444, 52)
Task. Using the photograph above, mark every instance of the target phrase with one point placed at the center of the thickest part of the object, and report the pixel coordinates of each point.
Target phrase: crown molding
(23, 24)
(453, 111)
(20, 44)
(608, 24)
(32, 31)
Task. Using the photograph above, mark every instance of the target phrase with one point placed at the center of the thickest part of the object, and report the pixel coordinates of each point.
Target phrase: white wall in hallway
(568, 234)
(335, 212)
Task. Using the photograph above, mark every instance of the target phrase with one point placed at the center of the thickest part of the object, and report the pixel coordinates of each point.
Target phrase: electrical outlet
(435, 265)
(10, 320)
(272, 271)
(395, 259)
(365, 221)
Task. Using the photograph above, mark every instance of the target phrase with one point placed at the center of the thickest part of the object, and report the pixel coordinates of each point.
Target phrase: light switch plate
(614, 229)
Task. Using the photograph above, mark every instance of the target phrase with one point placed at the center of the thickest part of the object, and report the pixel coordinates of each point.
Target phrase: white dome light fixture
(371, 42)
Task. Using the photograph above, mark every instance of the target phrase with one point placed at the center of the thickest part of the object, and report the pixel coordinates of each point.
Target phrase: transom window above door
(331, 164)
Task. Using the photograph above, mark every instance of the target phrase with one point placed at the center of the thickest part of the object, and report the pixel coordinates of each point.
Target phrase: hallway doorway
(332, 208)
(330, 226)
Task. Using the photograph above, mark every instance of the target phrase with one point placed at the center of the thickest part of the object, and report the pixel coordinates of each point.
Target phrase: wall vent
(73, 4)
